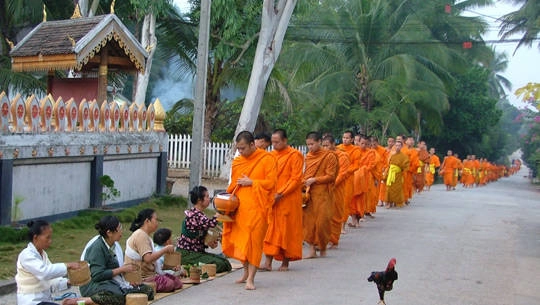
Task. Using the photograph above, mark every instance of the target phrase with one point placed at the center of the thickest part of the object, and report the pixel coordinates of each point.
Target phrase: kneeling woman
(37, 278)
(194, 229)
(104, 255)
(140, 250)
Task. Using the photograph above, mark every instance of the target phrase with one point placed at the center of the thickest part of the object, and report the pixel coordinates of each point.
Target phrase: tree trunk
(213, 98)
(149, 42)
(211, 111)
(274, 23)
(88, 10)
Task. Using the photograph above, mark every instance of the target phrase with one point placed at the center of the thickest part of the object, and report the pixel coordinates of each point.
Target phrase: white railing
(213, 154)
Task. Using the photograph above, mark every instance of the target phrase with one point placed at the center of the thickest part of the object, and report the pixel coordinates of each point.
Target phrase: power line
(408, 42)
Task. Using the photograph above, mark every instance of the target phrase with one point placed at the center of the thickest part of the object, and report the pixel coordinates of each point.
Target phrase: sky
(522, 66)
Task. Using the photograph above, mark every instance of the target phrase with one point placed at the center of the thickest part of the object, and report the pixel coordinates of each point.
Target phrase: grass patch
(71, 235)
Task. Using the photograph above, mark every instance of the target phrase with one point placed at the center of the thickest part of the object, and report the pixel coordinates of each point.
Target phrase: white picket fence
(213, 154)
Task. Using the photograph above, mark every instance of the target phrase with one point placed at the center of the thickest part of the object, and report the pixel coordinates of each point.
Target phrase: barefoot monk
(254, 178)
(284, 237)
(319, 175)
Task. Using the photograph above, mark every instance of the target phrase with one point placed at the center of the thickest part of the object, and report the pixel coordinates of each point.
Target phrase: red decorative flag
(447, 9)
(467, 45)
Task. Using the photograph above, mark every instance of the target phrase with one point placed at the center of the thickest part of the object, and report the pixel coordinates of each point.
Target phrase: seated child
(162, 238)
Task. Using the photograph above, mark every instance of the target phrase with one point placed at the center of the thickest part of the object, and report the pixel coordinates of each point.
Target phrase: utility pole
(196, 161)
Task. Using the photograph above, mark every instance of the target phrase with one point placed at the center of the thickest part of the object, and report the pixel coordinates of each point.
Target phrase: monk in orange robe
(398, 164)
(341, 194)
(448, 168)
(253, 181)
(482, 176)
(383, 165)
(457, 171)
(434, 163)
(467, 177)
(320, 174)
(284, 236)
(354, 157)
(362, 181)
(419, 177)
(376, 174)
(412, 153)
(475, 169)
(389, 150)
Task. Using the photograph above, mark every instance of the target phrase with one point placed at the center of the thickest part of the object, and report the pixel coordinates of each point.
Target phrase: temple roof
(73, 43)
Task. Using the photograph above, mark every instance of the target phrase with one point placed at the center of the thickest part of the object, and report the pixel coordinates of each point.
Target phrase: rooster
(384, 279)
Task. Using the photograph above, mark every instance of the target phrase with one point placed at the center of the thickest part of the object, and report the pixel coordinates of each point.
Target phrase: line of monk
(287, 199)
(471, 171)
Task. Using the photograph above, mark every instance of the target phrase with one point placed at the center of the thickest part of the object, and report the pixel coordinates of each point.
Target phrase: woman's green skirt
(192, 258)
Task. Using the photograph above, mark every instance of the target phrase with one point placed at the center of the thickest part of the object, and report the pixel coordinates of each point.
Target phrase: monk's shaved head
(280, 132)
(314, 135)
(245, 136)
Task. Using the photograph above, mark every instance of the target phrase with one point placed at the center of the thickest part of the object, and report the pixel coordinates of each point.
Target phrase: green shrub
(13, 235)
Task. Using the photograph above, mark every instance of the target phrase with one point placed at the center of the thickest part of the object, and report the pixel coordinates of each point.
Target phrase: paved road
(469, 246)
(465, 247)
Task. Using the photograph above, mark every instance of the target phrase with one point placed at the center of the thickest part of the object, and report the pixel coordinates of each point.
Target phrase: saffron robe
(399, 164)
(323, 166)
(354, 159)
(434, 162)
(284, 236)
(243, 238)
(388, 152)
(419, 176)
(408, 175)
(467, 177)
(363, 182)
(341, 198)
(448, 168)
(376, 175)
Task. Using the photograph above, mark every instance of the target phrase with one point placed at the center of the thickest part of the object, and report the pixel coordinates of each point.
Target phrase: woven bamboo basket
(81, 276)
(134, 276)
(209, 269)
(172, 260)
(195, 274)
(136, 299)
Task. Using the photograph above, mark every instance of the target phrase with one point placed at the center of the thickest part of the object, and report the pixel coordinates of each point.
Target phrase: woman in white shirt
(37, 278)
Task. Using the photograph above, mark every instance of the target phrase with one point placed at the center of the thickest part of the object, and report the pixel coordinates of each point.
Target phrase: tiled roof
(72, 43)
(52, 37)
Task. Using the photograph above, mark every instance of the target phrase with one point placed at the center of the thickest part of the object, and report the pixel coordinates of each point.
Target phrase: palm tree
(234, 31)
(525, 20)
(372, 55)
(497, 82)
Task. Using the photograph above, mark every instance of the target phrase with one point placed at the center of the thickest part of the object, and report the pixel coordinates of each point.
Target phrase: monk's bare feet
(250, 286)
(332, 247)
(284, 265)
(312, 254)
(323, 253)
(243, 278)
(265, 268)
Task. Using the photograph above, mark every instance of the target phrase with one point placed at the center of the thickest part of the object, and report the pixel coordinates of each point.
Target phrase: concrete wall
(57, 174)
(49, 189)
(134, 178)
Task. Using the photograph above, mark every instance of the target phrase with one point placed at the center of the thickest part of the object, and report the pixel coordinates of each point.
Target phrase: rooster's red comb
(391, 263)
